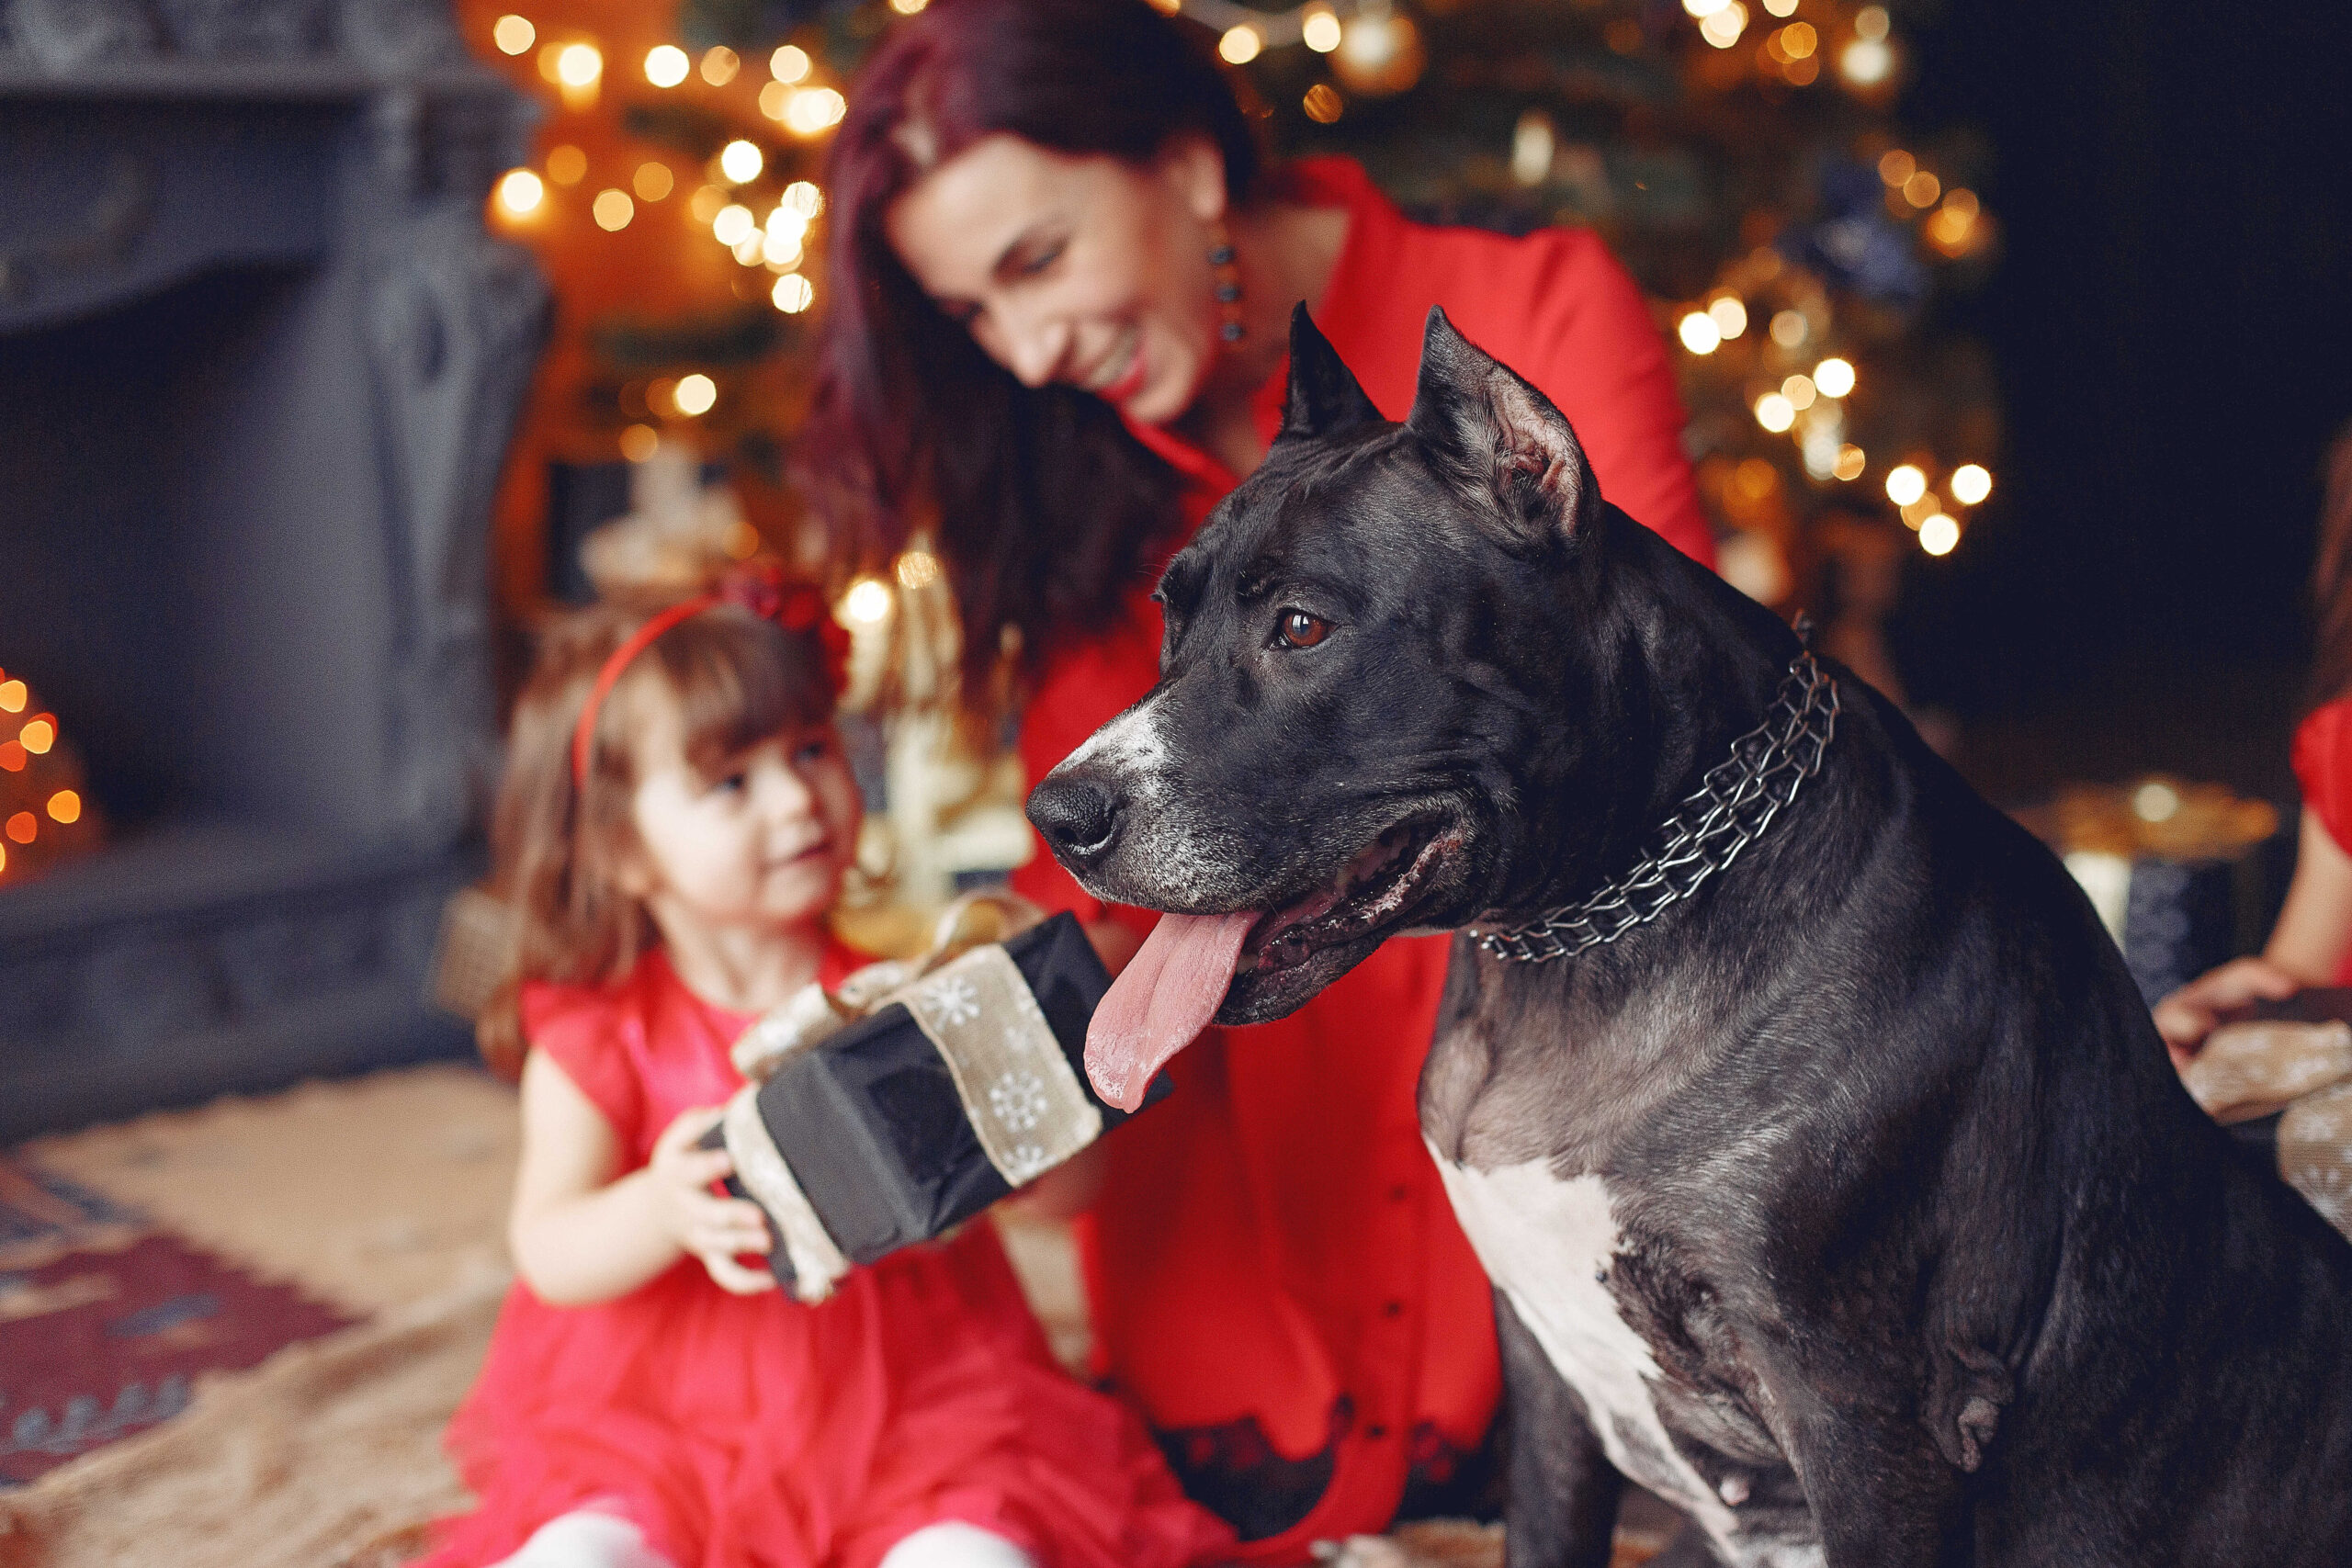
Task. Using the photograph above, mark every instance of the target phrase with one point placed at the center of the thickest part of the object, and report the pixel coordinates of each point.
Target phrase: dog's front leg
(1882, 1495)
(1561, 1510)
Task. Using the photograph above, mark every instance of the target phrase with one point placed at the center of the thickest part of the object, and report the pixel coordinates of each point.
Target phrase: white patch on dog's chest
(1547, 1244)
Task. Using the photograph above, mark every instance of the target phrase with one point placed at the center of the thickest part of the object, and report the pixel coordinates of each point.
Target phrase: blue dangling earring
(1228, 291)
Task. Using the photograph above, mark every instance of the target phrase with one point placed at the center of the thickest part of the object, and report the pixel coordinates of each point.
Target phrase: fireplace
(258, 365)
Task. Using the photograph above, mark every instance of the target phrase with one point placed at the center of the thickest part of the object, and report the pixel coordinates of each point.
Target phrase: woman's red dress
(1276, 1276)
(2322, 760)
(752, 1430)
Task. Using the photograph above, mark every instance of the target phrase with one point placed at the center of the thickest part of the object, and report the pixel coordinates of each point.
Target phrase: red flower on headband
(768, 593)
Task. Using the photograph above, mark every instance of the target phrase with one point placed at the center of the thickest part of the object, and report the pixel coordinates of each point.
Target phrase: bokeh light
(65, 805)
(733, 225)
(1833, 377)
(918, 570)
(790, 64)
(1939, 533)
(1700, 334)
(793, 294)
(613, 210)
(666, 66)
(1321, 31)
(1905, 484)
(720, 64)
(579, 65)
(696, 395)
(1775, 412)
(1240, 44)
(814, 111)
(1971, 483)
(512, 34)
(741, 161)
(1730, 316)
(867, 601)
(520, 192)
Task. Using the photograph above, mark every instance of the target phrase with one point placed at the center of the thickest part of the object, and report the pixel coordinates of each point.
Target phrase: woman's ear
(1195, 168)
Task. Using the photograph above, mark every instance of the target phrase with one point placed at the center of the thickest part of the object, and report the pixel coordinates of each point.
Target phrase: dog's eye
(1298, 629)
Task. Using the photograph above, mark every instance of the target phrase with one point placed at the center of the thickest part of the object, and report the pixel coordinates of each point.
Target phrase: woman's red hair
(1045, 511)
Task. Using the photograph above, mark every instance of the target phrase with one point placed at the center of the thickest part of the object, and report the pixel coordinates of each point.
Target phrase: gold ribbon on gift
(972, 1003)
(761, 1166)
(2315, 1152)
(812, 1014)
(2246, 1070)
(1018, 1090)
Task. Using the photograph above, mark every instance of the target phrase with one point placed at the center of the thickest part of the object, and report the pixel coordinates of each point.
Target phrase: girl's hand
(714, 1229)
(2189, 1014)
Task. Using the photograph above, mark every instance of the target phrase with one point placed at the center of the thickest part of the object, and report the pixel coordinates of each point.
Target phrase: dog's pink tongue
(1161, 1002)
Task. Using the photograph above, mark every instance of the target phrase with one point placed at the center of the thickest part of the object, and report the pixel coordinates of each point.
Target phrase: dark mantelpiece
(259, 363)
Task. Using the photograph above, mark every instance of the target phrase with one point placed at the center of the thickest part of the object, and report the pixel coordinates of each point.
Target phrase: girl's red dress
(1276, 1276)
(738, 1431)
(2323, 759)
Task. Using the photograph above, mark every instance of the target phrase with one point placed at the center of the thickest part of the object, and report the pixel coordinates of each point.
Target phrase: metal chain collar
(1733, 804)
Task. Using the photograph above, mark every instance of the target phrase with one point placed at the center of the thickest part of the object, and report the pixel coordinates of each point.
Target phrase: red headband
(762, 590)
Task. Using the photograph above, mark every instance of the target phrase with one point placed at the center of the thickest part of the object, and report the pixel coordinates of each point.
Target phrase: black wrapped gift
(872, 1126)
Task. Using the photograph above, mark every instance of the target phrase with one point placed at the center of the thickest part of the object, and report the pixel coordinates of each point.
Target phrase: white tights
(592, 1538)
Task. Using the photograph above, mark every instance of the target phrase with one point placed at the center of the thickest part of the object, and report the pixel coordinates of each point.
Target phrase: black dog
(1840, 1193)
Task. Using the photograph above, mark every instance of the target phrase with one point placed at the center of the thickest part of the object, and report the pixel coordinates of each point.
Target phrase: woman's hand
(2189, 1014)
(713, 1229)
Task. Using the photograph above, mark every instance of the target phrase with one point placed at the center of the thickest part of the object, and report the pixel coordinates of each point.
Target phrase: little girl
(673, 827)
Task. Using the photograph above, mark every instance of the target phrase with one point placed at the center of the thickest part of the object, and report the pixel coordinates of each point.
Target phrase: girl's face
(1086, 270)
(759, 844)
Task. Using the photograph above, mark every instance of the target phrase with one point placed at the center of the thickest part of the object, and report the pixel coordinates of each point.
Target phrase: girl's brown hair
(557, 850)
(2332, 579)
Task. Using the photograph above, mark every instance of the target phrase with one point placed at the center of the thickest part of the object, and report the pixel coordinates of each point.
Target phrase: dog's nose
(1077, 816)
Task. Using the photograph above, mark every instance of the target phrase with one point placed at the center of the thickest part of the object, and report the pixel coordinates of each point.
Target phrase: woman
(1063, 274)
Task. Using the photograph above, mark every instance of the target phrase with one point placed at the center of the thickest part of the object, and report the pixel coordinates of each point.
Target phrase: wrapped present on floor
(2282, 1081)
(2184, 876)
(917, 1095)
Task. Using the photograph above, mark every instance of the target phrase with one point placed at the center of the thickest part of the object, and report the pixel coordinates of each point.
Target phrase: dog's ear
(1325, 397)
(1500, 439)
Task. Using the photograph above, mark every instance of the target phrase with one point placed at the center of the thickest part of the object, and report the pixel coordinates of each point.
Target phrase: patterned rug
(105, 1322)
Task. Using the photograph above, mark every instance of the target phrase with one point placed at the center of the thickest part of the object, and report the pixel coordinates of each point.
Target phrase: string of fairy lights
(1766, 324)
(761, 228)
(42, 815)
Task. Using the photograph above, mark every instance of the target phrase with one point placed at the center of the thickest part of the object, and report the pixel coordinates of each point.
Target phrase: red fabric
(1273, 1242)
(2322, 760)
(754, 1432)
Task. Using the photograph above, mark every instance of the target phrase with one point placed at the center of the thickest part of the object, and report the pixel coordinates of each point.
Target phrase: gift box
(2184, 876)
(968, 1080)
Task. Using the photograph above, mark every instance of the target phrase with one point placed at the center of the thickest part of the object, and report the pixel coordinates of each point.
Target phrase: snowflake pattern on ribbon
(1026, 1162)
(1018, 1099)
(953, 1000)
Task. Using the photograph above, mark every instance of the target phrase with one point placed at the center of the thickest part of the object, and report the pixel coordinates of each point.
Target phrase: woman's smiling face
(1086, 270)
